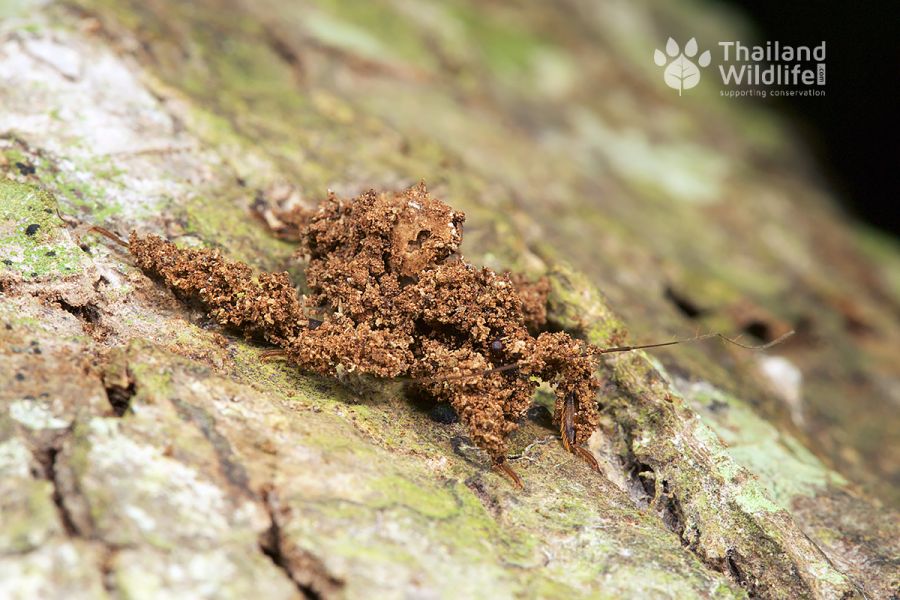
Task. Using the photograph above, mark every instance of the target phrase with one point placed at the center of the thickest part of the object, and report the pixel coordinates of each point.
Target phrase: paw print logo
(681, 73)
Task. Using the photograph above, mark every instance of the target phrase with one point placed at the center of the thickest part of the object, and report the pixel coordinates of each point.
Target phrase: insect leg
(567, 422)
(562, 361)
(507, 470)
(273, 354)
(258, 303)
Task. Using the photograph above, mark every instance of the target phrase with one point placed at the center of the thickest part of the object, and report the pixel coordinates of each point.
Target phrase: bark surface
(146, 452)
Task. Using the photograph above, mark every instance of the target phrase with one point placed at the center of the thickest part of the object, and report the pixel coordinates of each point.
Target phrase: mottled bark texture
(146, 451)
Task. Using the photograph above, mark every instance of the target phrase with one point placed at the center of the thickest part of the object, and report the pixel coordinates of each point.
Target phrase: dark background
(854, 129)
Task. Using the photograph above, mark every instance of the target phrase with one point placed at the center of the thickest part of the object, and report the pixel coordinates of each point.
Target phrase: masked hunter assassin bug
(391, 297)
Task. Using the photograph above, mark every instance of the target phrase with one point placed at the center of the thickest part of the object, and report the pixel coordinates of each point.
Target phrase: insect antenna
(597, 351)
(109, 234)
(696, 338)
(79, 225)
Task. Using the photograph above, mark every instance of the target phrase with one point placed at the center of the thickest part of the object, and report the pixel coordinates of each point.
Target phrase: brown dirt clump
(534, 299)
(392, 297)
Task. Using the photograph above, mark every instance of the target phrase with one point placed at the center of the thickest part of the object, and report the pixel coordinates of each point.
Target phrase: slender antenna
(697, 338)
(109, 234)
(77, 224)
(66, 220)
(765, 346)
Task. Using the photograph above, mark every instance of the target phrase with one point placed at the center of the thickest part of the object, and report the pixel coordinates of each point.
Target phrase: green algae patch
(29, 516)
(509, 51)
(81, 183)
(153, 381)
(785, 467)
(370, 30)
(32, 241)
(650, 581)
(752, 498)
(577, 305)
(226, 223)
(16, 8)
(399, 491)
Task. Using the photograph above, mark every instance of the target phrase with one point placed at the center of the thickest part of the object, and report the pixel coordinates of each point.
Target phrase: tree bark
(144, 452)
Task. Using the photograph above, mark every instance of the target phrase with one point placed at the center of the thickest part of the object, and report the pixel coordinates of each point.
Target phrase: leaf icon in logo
(690, 49)
(672, 48)
(681, 74)
(659, 58)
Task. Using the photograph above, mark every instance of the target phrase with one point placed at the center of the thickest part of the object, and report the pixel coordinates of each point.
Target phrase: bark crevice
(307, 571)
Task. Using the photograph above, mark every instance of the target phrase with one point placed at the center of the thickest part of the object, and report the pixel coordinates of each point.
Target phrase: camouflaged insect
(392, 297)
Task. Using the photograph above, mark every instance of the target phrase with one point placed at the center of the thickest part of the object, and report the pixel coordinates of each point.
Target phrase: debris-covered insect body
(390, 296)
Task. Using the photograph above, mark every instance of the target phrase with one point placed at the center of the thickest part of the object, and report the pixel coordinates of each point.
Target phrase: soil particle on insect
(390, 296)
